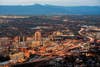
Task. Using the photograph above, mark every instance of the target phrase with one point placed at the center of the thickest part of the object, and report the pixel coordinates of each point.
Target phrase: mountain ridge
(38, 9)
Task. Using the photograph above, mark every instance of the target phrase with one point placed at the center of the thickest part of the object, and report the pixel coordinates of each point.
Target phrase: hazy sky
(52, 2)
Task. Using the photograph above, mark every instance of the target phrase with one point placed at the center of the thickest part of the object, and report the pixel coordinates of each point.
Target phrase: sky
(52, 2)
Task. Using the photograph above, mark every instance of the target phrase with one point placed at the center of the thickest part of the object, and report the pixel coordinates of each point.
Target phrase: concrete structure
(37, 36)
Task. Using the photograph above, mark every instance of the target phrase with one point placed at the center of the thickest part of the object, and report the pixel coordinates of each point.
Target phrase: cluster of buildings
(56, 43)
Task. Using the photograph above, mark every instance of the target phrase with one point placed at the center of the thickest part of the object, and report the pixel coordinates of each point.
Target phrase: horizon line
(46, 5)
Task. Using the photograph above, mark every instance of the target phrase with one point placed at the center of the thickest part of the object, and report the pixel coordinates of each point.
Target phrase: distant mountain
(49, 10)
